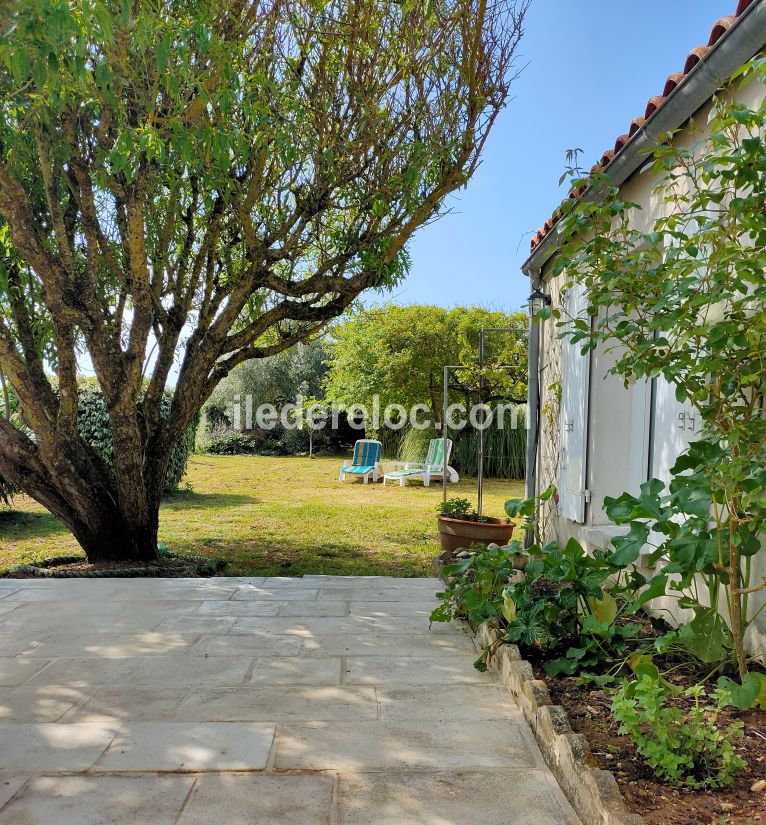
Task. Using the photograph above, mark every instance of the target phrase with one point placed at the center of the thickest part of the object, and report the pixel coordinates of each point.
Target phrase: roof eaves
(685, 92)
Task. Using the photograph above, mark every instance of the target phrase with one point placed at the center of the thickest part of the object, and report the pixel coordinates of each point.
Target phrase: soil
(589, 712)
(164, 568)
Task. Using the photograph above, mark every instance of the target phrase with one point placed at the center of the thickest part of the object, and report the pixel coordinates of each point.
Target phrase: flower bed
(589, 712)
(702, 760)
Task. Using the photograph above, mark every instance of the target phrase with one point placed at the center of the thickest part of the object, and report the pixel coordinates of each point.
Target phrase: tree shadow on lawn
(188, 499)
(20, 524)
(255, 557)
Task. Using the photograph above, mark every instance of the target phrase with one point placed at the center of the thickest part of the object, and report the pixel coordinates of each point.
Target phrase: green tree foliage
(399, 354)
(297, 371)
(685, 298)
(190, 184)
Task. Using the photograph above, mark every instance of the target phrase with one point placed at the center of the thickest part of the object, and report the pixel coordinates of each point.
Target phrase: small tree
(186, 185)
(310, 417)
(684, 299)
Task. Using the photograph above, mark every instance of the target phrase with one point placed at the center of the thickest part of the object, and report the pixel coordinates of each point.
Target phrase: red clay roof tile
(694, 57)
(652, 106)
(671, 83)
(637, 123)
(721, 26)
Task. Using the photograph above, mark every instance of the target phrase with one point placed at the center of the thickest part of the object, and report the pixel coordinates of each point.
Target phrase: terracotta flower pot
(455, 534)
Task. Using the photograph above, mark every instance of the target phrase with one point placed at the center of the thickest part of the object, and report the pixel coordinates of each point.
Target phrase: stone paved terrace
(314, 701)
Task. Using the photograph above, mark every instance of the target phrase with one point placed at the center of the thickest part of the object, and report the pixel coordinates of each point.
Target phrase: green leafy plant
(682, 747)
(683, 298)
(475, 586)
(576, 609)
(461, 509)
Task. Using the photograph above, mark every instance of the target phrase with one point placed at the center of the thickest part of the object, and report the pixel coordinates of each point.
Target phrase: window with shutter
(574, 418)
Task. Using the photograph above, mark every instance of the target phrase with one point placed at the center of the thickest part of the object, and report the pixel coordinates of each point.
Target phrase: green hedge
(93, 424)
(239, 443)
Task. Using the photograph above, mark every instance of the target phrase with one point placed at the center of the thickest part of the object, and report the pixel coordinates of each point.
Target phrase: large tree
(187, 184)
(399, 353)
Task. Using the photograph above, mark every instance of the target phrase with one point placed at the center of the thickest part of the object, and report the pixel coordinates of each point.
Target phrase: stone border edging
(592, 791)
(40, 570)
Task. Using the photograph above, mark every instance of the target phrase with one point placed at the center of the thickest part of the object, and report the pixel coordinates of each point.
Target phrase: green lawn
(277, 516)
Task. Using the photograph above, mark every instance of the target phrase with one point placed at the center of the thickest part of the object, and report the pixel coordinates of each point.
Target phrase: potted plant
(460, 527)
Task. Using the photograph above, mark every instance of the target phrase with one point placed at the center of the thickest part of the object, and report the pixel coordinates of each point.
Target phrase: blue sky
(592, 65)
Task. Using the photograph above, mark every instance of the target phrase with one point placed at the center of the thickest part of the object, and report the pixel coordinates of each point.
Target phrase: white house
(589, 436)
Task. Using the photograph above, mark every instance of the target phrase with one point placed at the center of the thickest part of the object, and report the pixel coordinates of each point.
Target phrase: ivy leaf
(655, 589)
(750, 693)
(628, 547)
(604, 608)
(711, 636)
(509, 608)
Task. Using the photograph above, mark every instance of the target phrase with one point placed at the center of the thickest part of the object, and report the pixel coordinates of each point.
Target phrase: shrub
(239, 443)
(681, 747)
(476, 585)
(459, 508)
(93, 424)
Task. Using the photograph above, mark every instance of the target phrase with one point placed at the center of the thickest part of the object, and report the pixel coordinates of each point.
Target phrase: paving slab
(138, 704)
(417, 607)
(52, 747)
(303, 626)
(13, 645)
(170, 746)
(9, 786)
(293, 670)
(185, 671)
(15, 671)
(421, 670)
(198, 623)
(377, 643)
(449, 702)
(280, 704)
(294, 799)
(452, 798)
(362, 746)
(106, 800)
(252, 643)
(309, 609)
(159, 643)
(271, 593)
(37, 704)
(339, 625)
(240, 608)
(83, 672)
